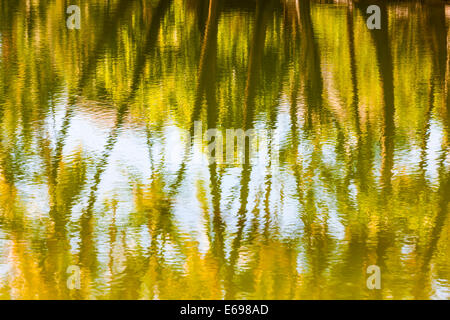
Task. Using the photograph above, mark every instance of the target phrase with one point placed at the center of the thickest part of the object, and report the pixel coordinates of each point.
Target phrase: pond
(224, 149)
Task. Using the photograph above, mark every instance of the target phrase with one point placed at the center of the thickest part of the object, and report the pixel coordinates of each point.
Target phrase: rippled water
(105, 168)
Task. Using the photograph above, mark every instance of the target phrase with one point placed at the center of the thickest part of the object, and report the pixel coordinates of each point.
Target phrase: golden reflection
(96, 170)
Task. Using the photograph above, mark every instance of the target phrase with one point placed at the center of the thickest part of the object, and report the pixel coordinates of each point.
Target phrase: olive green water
(94, 171)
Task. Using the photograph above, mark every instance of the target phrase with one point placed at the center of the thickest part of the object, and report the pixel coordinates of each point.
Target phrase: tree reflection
(363, 176)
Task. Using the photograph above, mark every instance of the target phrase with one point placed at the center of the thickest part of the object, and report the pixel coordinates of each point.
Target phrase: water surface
(96, 170)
